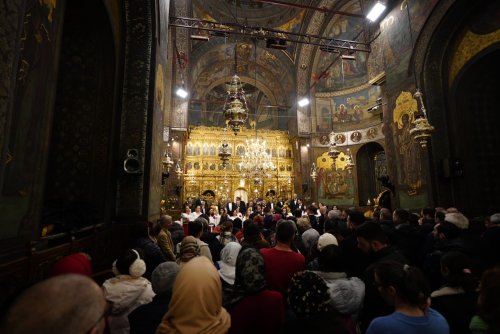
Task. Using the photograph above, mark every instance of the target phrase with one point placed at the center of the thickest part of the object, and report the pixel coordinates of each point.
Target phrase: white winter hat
(325, 240)
(457, 219)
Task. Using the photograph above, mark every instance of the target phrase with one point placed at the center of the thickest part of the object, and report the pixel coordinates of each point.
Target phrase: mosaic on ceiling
(254, 14)
(343, 73)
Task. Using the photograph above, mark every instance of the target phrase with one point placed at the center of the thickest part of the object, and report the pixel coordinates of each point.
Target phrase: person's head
(195, 227)
(258, 220)
(189, 249)
(163, 277)
(196, 303)
(303, 224)
(401, 282)
(334, 214)
(249, 211)
(355, 219)
(495, 219)
(198, 209)
(326, 239)
(308, 295)
(457, 219)
(130, 263)
(385, 214)
(323, 210)
(166, 221)
(371, 237)
(455, 268)
(251, 233)
(62, 304)
(227, 226)
(77, 263)
(294, 196)
(428, 213)
(311, 210)
(285, 231)
(400, 216)
(227, 263)
(439, 216)
(250, 273)
(447, 230)
(187, 209)
(330, 259)
(154, 229)
(489, 299)
(297, 213)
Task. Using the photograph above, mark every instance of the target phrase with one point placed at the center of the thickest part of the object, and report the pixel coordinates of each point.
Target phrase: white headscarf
(227, 262)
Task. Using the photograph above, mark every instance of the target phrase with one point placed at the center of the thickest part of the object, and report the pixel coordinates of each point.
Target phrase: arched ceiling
(277, 75)
(252, 13)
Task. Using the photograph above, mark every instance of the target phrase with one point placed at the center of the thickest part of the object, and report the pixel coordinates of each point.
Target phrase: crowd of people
(281, 267)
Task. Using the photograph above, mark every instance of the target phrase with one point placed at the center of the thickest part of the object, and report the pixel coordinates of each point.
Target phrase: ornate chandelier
(333, 152)
(350, 161)
(314, 172)
(423, 129)
(256, 163)
(224, 153)
(235, 107)
(167, 161)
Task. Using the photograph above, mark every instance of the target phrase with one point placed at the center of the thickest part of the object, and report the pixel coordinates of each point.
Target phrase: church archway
(370, 165)
(81, 139)
(474, 167)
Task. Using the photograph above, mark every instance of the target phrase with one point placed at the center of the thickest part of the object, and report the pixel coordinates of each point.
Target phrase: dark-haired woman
(128, 290)
(406, 288)
(456, 299)
(487, 320)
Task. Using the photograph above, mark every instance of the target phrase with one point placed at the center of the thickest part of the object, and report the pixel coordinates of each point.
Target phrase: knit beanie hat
(163, 277)
(326, 239)
(77, 263)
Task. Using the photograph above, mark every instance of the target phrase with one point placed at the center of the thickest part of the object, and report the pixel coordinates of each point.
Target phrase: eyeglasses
(105, 314)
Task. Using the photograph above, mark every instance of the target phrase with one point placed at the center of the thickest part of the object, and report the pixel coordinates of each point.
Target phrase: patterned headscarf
(250, 276)
(189, 249)
(308, 294)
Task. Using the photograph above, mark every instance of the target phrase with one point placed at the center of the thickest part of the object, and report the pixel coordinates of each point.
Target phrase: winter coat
(126, 294)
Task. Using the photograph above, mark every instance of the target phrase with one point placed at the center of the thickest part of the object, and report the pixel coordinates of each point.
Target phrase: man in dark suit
(241, 205)
(230, 206)
(294, 203)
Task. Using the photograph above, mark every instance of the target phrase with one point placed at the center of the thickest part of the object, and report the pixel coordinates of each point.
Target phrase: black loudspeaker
(305, 186)
(131, 163)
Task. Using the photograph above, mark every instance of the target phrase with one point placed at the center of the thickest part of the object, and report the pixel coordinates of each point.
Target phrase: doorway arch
(370, 164)
(474, 169)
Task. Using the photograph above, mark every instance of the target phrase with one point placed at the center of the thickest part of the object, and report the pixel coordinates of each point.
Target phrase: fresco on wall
(347, 111)
(408, 152)
(335, 186)
(343, 73)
